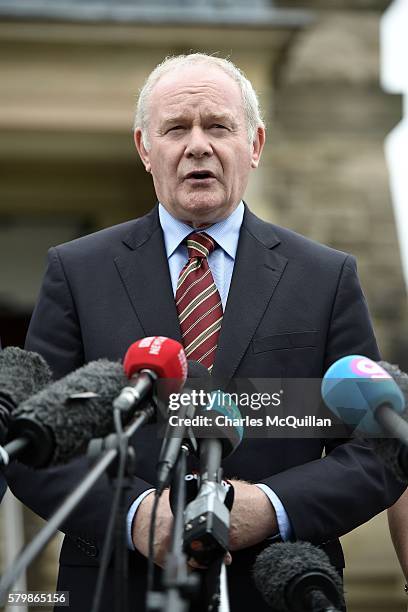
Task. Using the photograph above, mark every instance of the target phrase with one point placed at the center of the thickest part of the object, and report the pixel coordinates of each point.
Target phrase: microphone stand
(179, 586)
(125, 471)
(70, 503)
(214, 588)
(120, 472)
(224, 598)
(207, 521)
(391, 422)
(318, 602)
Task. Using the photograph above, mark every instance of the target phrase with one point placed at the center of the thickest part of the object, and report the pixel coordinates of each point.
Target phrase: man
(282, 306)
(398, 524)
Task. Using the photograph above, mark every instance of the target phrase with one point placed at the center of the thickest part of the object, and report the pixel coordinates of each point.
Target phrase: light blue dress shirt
(221, 262)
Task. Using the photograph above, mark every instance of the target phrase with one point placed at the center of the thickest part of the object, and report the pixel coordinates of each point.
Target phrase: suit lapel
(258, 268)
(145, 274)
(257, 271)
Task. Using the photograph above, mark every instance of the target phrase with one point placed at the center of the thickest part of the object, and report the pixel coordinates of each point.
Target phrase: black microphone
(192, 487)
(221, 438)
(57, 423)
(392, 451)
(22, 373)
(298, 577)
(175, 435)
(206, 533)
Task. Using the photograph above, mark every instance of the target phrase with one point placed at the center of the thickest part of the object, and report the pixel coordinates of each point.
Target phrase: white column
(394, 79)
(13, 538)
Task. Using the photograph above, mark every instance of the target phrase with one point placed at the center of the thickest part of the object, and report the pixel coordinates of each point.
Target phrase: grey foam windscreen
(75, 421)
(401, 378)
(280, 563)
(22, 374)
(390, 449)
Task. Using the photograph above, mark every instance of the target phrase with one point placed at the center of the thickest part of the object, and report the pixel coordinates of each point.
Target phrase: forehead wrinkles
(165, 96)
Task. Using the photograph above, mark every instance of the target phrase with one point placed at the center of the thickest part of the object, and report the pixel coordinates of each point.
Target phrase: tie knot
(199, 244)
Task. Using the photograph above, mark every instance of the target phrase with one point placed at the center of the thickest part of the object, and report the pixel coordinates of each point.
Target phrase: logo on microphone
(146, 342)
(182, 359)
(153, 343)
(361, 366)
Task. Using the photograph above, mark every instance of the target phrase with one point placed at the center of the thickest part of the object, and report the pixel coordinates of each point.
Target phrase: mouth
(199, 175)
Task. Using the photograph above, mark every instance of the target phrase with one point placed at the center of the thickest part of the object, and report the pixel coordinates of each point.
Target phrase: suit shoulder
(294, 243)
(289, 243)
(109, 241)
(100, 238)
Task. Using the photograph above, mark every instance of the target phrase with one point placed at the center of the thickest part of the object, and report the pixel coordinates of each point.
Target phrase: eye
(219, 126)
(175, 128)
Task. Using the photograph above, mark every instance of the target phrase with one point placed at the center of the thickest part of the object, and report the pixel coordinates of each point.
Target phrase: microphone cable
(152, 529)
(103, 566)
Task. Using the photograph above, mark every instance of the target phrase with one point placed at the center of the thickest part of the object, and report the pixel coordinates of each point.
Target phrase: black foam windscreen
(279, 565)
(74, 421)
(400, 377)
(391, 450)
(22, 373)
(388, 450)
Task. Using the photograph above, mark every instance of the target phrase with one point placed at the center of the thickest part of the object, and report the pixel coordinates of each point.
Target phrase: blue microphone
(365, 396)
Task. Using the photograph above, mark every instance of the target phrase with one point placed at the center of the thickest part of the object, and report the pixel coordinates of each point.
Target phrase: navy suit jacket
(294, 307)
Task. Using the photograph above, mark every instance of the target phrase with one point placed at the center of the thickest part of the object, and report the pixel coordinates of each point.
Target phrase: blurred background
(70, 71)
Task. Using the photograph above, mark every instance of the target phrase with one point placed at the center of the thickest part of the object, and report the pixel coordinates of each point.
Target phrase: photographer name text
(269, 421)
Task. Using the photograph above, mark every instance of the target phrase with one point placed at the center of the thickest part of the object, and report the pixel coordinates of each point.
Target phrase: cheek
(166, 166)
(237, 171)
(244, 166)
(161, 169)
(236, 162)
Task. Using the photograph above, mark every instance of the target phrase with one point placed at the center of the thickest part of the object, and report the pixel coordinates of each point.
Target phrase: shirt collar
(225, 232)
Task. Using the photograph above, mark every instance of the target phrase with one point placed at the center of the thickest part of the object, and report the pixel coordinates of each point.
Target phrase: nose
(198, 144)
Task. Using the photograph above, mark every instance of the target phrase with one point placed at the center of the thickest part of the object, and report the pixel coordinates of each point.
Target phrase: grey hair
(249, 97)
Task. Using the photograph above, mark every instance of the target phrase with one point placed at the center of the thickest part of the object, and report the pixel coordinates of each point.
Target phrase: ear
(141, 149)
(257, 146)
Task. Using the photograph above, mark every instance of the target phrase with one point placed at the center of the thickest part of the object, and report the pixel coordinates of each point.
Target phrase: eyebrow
(212, 117)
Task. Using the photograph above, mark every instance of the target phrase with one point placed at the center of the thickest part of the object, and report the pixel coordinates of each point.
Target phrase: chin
(205, 209)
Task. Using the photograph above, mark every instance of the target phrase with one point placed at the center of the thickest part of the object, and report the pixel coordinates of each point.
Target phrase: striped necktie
(198, 302)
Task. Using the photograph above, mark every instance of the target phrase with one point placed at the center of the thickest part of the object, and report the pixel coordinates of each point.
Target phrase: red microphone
(147, 360)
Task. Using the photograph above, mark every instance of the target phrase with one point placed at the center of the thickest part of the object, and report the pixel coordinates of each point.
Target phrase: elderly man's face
(199, 154)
